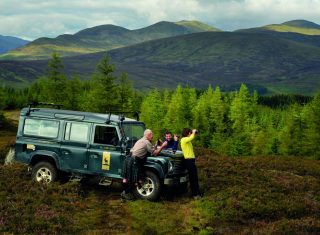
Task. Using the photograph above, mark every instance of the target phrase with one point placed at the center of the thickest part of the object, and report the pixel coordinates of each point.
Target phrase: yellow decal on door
(106, 161)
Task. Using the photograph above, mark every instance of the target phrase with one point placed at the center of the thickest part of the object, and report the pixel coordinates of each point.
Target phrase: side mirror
(124, 143)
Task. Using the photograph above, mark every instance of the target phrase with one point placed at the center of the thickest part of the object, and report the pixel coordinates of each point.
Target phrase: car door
(105, 151)
(74, 146)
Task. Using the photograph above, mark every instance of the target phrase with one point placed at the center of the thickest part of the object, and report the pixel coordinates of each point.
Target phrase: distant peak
(302, 24)
(197, 25)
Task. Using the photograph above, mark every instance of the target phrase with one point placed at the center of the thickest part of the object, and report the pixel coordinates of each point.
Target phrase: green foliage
(2, 98)
(293, 134)
(73, 90)
(55, 87)
(152, 113)
(311, 115)
(105, 94)
(179, 114)
(125, 93)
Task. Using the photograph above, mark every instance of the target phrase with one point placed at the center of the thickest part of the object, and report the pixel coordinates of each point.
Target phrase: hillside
(247, 195)
(102, 38)
(218, 58)
(8, 43)
(295, 26)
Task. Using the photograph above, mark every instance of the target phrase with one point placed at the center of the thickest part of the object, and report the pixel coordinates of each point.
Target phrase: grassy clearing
(247, 195)
(263, 195)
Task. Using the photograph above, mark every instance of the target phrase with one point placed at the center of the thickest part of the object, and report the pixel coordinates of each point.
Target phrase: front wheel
(44, 172)
(150, 189)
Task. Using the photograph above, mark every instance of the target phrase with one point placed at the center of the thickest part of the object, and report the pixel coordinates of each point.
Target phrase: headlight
(170, 167)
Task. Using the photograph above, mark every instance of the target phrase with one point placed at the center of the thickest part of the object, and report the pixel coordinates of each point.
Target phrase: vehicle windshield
(134, 131)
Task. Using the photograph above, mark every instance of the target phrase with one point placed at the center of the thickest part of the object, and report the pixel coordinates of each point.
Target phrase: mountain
(102, 38)
(294, 26)
(9, 43)
(266, 62)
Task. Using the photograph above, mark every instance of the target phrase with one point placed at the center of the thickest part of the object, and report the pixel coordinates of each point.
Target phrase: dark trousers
(137, 174)
(193, 176)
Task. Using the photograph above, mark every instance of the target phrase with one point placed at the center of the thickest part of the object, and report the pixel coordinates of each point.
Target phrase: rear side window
(41, 128)
(76, 132)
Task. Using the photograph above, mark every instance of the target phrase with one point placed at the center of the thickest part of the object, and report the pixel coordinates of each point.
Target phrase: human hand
(194, 131)
(175, 137)
(164, 144)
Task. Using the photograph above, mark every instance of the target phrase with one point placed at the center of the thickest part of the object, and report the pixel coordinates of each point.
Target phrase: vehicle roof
(74, 115)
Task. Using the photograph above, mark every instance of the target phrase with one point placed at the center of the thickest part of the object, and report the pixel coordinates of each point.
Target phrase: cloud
(35, 18)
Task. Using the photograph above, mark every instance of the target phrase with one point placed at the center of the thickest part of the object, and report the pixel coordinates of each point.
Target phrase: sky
(31, 19)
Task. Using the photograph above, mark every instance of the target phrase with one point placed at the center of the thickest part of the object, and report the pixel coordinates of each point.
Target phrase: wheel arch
(46, 157)
(155, 168)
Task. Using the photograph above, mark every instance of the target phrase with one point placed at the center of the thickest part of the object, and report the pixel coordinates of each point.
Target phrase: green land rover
(83, 144)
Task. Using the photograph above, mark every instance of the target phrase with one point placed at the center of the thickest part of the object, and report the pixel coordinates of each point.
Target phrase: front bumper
(176, 180)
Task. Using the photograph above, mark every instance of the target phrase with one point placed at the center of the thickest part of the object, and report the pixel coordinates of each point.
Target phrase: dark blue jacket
(171, 144)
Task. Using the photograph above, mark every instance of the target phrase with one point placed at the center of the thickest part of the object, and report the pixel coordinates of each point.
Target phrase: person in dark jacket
(172, 142)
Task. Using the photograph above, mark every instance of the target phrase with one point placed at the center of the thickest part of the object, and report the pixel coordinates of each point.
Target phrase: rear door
(105, 151)
(74, 146)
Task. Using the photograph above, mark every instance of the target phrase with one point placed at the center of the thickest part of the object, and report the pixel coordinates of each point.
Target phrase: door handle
(95, 156)
(65, 153)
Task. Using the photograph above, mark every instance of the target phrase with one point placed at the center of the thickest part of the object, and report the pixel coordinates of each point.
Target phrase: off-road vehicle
(82, 144)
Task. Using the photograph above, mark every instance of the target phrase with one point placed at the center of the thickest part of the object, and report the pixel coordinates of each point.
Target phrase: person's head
(148, 134)
(186, 132)
(168, 136)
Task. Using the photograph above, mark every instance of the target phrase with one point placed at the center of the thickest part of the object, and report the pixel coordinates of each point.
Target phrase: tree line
(234, 123)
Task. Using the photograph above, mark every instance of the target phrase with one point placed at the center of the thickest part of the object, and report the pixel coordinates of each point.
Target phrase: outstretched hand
(175, 137)
(164, 144)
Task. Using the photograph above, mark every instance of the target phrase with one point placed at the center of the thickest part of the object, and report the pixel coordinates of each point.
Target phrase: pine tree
(38, 91)
(125, 93)
(293, 134)
(152, 113)
(104, 95)
(241, 118)
(311, 115)
(179, 113)
(74, 91)
(218, 126)
(201, 116)
(56, 80)
(2, 99)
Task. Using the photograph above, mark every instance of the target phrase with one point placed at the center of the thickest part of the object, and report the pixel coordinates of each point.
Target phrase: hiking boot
(198, 197)
(127, 196)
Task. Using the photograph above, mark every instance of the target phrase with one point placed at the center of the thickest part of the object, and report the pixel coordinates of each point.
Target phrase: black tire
(44, 172)
(150, 189)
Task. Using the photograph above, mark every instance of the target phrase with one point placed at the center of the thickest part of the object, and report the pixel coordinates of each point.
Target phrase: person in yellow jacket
(186, 146)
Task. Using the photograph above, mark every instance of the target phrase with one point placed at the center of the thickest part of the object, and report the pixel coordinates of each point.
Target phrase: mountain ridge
(218, 58)
(102, 38)
(8, 43)
(294, 26)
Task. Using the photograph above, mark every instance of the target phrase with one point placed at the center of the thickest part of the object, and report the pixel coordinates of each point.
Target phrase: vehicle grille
(178, 165)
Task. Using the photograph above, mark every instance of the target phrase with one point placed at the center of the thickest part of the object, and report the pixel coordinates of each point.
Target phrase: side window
(41, 128)
(76, 132)
(106, 135)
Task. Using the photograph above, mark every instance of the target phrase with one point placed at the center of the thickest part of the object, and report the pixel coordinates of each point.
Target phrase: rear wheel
(44, 172)
(150, 189)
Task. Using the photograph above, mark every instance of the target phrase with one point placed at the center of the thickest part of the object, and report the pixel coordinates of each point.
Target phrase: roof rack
(35, 104)
(121, 115)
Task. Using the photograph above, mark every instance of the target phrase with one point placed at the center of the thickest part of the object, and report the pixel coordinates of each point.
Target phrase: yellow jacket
(186, 146)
